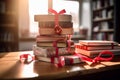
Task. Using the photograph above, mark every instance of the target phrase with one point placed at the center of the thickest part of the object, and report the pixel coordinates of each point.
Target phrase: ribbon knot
(57, 27)
(96, 60)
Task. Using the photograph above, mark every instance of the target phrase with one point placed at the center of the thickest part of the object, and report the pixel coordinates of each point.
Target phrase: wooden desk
(12, 68)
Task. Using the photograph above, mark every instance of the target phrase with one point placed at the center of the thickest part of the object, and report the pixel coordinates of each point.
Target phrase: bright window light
(36, 7)
(41, 7)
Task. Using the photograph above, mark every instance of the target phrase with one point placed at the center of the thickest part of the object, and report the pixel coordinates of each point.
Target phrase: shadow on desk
(107, 75)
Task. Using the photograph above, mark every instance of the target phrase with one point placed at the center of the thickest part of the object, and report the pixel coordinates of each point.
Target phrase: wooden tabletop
(12, 68)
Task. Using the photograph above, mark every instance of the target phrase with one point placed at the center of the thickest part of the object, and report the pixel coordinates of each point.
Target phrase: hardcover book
(51, 24)
(51, 51)
(68, 59)
(50, 44)
(47, 18)
(46, 59)
(85, 47)
(95, 53)
(97, 42)
(51, 31)
(50, 38)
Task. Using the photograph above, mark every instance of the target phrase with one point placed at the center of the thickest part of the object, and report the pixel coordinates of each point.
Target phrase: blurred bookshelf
(8, 25)
(103, 25)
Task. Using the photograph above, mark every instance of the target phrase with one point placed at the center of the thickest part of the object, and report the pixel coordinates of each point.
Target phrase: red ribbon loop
(101, 58)
(57, 27)
(24, 57)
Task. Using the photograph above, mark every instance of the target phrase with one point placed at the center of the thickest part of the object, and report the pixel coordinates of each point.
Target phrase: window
(41, 7)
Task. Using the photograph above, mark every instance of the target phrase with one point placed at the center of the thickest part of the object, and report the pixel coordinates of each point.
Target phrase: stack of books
(92, 48)
(44, 48)
(46, 24)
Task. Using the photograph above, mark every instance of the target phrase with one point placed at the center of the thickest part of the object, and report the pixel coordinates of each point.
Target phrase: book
(46, 18)
(51, 31)
(85, 47)
(51, 24)
(51, 51)
(51, 38)
(97, 42)
(95, 53)
(51, 43)
(46, 59)
(72, 59)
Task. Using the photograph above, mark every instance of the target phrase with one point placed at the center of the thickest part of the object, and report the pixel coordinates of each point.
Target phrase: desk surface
(12, 68)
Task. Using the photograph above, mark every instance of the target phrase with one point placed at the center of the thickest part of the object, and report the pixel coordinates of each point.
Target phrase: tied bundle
(57, 28)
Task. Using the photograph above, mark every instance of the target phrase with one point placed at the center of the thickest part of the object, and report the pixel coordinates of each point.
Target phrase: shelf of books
(102, 19)
(8, 25)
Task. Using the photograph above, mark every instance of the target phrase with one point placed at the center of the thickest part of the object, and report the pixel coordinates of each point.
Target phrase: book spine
(84, 47)
(102, 43)
(95, 53)
(50, 38)
(52, 24)
(50, 31)
(47, 59)
(50, 44)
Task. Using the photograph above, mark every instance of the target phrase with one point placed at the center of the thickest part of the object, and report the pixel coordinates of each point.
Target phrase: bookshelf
(103, 25)
(8, 25)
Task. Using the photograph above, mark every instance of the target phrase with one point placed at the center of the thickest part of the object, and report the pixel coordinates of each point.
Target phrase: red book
(89, 48)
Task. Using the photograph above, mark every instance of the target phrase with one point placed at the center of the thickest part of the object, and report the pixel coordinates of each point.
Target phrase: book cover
(85, 47)
(95, 53)
(97, 42)
(68, 59)
(51, 38)
(51, 31)
(51, 51)
(46, 18)
(51, 24)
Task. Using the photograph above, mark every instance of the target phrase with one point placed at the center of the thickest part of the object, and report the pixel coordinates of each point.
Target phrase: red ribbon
(61, 61)
(98, 58)
(69, 42)
(24, 57)
(57, 27)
